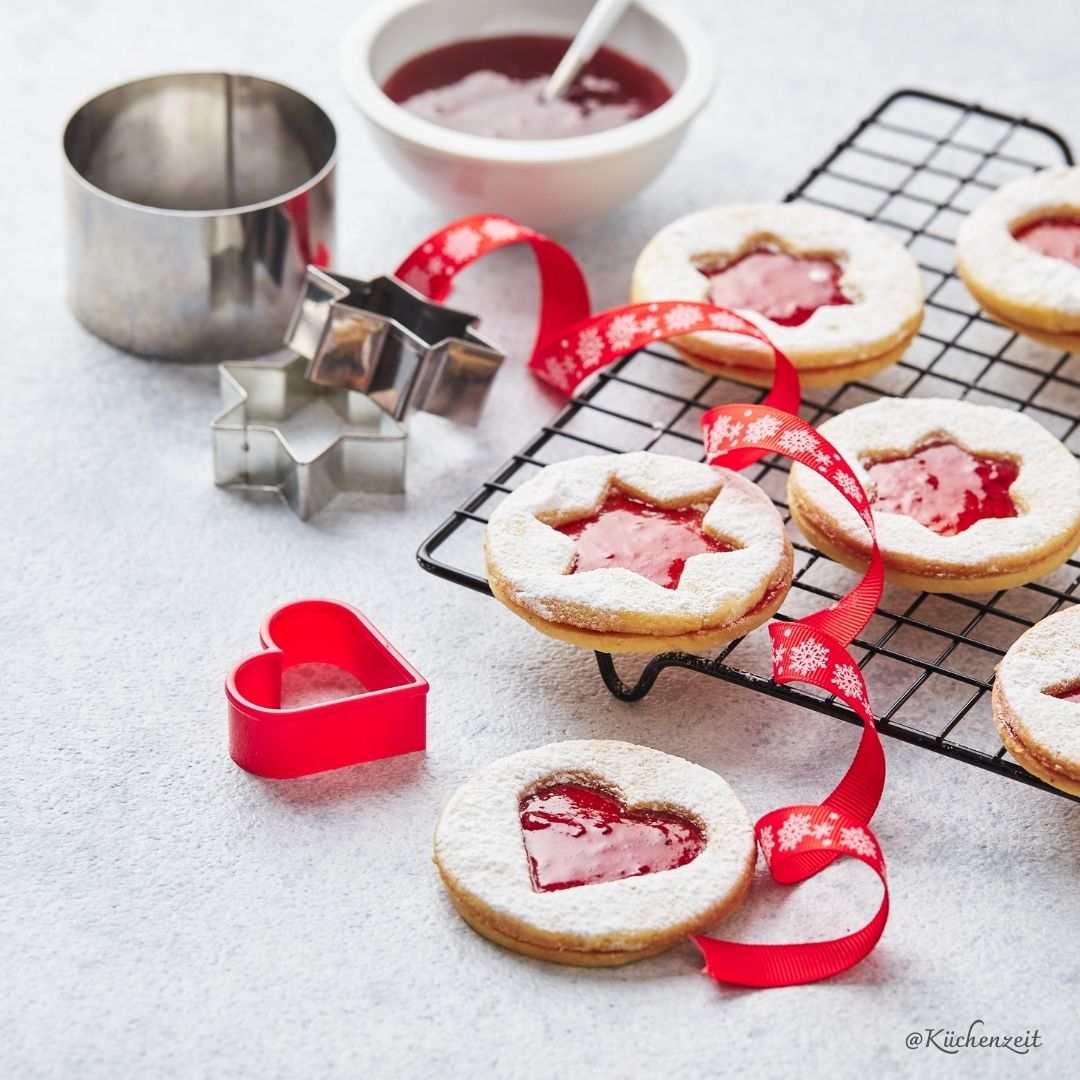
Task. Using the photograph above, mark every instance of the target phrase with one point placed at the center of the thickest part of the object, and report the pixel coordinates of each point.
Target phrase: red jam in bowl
(1057, 236)
(576, 834)
(787, 289)
(491, 86)
(944, 487)
(649, 540)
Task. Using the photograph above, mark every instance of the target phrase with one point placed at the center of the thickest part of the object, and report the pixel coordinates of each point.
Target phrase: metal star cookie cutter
(374, 351)
(384, 339)
(252, 454)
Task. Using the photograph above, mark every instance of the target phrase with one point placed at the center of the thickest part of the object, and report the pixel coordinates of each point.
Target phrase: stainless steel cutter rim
(344, 296)
(336, 283)
(221, 422)
(227, 211)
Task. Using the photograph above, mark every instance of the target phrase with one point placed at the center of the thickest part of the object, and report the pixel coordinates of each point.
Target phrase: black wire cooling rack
(915, 167)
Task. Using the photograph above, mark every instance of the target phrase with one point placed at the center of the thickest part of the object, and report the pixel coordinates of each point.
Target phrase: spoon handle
(598, 24)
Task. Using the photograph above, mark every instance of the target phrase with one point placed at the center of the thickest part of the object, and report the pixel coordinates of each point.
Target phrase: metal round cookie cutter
(194, 204)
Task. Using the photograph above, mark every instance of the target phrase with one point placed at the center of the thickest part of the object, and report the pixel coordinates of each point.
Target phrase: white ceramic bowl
(546, 183)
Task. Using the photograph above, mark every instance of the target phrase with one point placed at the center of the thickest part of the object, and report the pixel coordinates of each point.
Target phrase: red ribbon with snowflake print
(800, 841)
(570, 342)
(432, 267)
(792, 840)
(796, 841)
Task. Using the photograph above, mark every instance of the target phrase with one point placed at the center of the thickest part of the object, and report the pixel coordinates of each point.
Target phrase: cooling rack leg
(620, 689)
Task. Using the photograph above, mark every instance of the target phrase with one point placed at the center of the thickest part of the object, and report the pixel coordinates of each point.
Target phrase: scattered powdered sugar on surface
(879, 275)
(478, 840)
(1046, 657)
(1046, 491)
(987, 252)
(534, 559)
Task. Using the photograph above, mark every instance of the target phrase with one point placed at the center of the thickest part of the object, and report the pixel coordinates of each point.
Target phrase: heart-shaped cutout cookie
(580, 834)
(387, 719)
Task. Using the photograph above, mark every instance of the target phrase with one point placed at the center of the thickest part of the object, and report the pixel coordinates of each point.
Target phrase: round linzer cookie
(593, 852)
(639, 553)
(838, 297)
(1019, 255)
(1037, 700)
(966, 498)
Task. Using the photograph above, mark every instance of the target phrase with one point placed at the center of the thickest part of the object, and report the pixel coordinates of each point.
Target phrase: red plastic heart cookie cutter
(389, 718)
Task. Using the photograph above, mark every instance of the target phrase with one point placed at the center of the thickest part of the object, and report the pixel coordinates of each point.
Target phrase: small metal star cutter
(374, 351)
(386, 340)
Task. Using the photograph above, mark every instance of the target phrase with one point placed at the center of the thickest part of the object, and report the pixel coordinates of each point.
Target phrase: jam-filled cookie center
(638, 536)
(1056, 235)
(787, 289)
(578, 834)
(1070, 693)
(944, 487)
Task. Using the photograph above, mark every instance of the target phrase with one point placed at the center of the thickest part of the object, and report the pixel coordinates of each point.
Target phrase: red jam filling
(1057, 236)
(491, 86)
(786, 289)
(944, 487)
(1072, 694)
(649, 540)
(578, 835)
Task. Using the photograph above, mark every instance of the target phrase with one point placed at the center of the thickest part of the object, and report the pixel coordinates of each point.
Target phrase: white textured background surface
(164, 914)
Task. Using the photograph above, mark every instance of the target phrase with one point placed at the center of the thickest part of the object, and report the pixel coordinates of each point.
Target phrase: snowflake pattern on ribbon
(807, 657)
(431, 268)
(621, 331)
(799, 441)
(764, 427)
(590, 347)
(791, 833)
(857, 839)
(682, 317)
(767, 842)
(816, 659)
(462, 244)
(848, 681)
(418, 279)
(798, 829)
(723, 320)
(722, 435)
(501, 229)
(846, 483)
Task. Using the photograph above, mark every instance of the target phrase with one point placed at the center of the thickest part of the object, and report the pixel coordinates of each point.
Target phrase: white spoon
(598, 24)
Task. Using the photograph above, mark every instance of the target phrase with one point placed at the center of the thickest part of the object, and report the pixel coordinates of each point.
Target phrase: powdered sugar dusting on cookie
(879, 277)
(1045, 658)
(479, 848)
(998, 266)
(532, 561)
(1046, 491)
